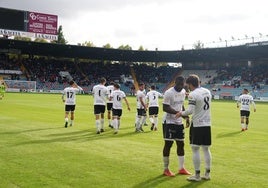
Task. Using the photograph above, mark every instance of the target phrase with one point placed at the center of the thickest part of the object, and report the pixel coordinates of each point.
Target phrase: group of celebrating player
(199, 107)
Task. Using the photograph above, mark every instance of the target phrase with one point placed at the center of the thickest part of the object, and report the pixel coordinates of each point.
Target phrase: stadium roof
(248, 52)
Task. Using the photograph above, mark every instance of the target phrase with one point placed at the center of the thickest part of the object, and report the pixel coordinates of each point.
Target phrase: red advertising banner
(42, 23)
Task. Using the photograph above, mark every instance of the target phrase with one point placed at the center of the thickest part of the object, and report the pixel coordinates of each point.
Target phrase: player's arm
(254, 105)
(167, 108)
(127, 103)
(142, 103)
(110, 97)
(63, 97)
(187, 112)
(237, 103)
(78, 87)
(187, 118)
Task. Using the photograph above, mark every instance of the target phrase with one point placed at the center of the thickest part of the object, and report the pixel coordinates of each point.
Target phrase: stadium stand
(226, 80)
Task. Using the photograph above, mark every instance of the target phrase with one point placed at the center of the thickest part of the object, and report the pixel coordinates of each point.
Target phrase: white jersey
(70, 95)
(152, 97)
(245, 100)
(117, 96)
(200, 105)
(100, 93)
(140, 94)
(175, 100)
(110, 89)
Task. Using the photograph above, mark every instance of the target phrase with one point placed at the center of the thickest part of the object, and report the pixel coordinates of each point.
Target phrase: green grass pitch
(37, 151)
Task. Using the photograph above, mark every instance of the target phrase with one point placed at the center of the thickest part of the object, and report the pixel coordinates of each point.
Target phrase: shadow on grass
(27, 131)
(69, 135)
(193, 184)
(230, 134)
(156, 181)
(152, 182)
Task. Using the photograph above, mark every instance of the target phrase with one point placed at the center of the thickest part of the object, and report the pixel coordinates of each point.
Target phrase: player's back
(245, 100)
(70, 94)
(202, 100)
(153, 97)
(100, 93)
(117, 96)
(140, 96)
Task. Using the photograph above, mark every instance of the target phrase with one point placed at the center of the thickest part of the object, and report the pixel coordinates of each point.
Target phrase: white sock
(72, 122)
(98, 124)
(166, 162)
(155, 121)
(136, 120)
(102, 123)
(138, 123)
(151, 119)
(66, 119)
(207, 157)
(196, 158)
(243, 125)
(143, 120)
(181, 162)
(115, 124)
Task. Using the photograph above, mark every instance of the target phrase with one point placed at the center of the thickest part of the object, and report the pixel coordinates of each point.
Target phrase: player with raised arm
(69, 98)
(200, 130)
(100, 93)
(245, 100)
(152, 102)
(116, 97)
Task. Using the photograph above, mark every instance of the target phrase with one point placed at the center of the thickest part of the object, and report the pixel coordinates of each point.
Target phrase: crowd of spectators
(46, 72)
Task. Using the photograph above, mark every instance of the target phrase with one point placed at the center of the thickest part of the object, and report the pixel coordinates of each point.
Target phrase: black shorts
(153, 110)
(173, 132)
(200, 136)
(141, 112)
(109, 106)
(99, 109)
(117, 112)
(244, 113)
(69, 108)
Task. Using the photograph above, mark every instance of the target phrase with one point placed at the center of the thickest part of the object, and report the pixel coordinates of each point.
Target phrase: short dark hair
(179, 79)
(102, 80)
(153, 87)
(116, 85)
(141, 84)
(193, 79)
(71, 82)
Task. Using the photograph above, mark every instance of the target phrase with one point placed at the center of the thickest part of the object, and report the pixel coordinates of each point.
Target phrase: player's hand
(128, 108)
(187, 122)
(254, 110)
(63, 100)
(178, 114)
